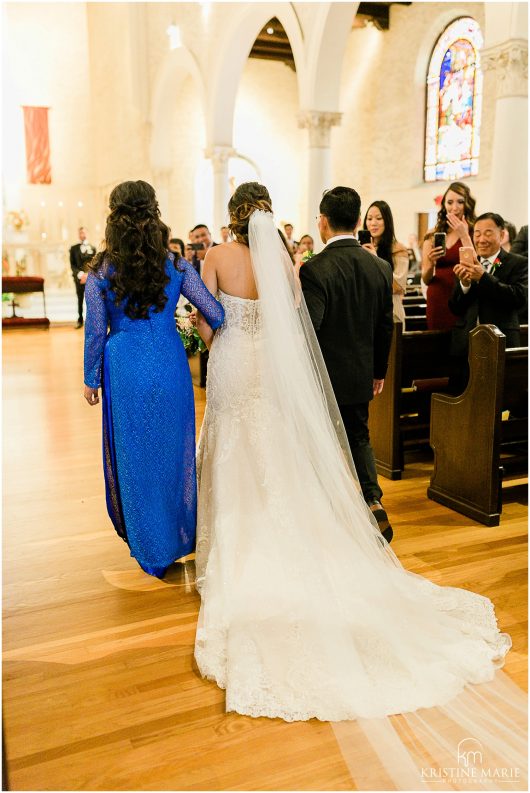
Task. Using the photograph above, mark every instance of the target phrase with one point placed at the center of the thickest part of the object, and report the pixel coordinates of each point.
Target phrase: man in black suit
(80, 254)
(348, 292)
(200, 235)
(491, 290)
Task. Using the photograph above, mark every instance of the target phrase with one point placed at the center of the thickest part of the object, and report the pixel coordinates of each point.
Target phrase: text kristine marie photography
(471, 766)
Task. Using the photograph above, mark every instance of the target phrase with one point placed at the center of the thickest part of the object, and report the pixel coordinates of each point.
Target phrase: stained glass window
(454, 103)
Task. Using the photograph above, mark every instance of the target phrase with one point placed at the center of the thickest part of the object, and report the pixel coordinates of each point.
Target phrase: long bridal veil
(307, 611)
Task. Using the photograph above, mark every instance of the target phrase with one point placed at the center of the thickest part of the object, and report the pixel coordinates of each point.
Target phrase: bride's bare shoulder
(227, 252)
(223, 249)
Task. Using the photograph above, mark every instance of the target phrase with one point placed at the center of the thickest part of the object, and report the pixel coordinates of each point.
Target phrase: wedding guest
(225, 234)
(456, 219)
(141, 366)
(176, 246)
(80, 255)
(520, 244)
(200, 236)
(291, 242)
(305, 246)
(380, 223)
(509, 235)
(492, 290)
(188, 252)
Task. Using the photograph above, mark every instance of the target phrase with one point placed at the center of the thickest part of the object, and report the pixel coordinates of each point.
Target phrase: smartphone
(439, 240)
(364, 236)
(197, 246)
(465, 255)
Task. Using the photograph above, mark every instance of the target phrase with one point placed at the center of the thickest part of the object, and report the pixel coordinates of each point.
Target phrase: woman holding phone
(441, 247)
(382, 242)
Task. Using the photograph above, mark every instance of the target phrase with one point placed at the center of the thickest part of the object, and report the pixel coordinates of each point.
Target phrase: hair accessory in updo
(248, 197)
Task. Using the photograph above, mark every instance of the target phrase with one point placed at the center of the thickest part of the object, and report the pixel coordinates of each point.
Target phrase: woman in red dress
(456, 219)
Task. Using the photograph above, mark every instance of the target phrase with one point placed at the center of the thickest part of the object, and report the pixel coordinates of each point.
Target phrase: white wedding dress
(306, 611)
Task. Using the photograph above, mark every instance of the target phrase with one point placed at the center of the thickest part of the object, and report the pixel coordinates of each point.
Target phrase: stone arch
(326, 47)
(234, 48)
(437, 25)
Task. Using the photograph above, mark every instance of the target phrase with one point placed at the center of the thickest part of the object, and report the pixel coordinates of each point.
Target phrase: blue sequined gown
(148, 415)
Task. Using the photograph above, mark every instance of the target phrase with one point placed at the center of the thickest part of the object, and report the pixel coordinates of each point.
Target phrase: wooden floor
(100, 688)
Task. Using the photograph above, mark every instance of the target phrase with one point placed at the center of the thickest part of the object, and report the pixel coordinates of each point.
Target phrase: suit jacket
(78, 259)
(496, 299)
(197, 262)
(348, 292)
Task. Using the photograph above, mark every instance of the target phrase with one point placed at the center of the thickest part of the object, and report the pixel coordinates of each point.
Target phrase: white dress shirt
(340, 237)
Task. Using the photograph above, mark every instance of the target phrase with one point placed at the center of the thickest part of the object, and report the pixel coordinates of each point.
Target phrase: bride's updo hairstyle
(135, 247)
(247, 198)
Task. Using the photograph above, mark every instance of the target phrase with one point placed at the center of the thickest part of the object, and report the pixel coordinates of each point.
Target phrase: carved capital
(219, 155)
(319, 124)
(509, 62)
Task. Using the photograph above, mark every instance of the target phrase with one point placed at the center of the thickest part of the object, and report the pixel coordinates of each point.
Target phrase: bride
(306, 612)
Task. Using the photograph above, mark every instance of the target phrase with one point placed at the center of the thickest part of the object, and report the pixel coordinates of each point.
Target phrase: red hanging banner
(37, 145)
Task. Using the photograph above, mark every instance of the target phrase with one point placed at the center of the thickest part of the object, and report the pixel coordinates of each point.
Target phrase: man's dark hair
(342, 207)
(497, 219)
(200, 226)
(512, 231)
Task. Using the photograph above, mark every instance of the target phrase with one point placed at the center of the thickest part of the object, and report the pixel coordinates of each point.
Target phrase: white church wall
(46, 63)
(99, 69)
(266, 130)
(189, 194)
(379, 147)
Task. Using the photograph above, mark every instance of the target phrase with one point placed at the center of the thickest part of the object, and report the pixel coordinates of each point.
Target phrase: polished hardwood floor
(100, 688)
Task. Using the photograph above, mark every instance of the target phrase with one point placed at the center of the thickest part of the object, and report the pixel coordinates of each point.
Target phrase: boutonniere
(306, 256)
(495, 266)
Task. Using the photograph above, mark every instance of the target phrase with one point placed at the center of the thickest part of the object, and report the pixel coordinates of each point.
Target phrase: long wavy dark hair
(469, 208)
(136, 243)
(388, 239)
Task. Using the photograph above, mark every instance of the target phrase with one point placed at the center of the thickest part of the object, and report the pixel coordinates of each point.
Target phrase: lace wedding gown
(305, 609)
(306, 612)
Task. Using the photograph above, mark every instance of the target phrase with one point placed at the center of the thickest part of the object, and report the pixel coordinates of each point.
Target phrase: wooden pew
(415, 312)
(402, 410)
(473, 447)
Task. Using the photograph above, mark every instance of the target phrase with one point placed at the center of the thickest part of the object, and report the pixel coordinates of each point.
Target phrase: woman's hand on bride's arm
(204, 330)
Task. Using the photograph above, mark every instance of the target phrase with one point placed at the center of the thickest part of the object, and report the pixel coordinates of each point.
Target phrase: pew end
(468, 434)
(399, 418)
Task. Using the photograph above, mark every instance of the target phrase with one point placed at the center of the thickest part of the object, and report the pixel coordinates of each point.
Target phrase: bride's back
(234, 270)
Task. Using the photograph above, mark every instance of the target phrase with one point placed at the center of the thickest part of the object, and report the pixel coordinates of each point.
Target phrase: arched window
(454, 103)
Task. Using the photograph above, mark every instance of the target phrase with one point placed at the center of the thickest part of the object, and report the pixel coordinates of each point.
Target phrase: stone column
(319, 124)
(509, 174)
(220, 156)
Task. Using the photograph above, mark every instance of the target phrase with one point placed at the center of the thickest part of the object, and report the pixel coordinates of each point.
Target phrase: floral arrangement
(18, 220)
(188, 332)
(306, 256)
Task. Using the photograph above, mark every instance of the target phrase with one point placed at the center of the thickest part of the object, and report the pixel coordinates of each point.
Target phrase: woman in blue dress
(141, 366)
